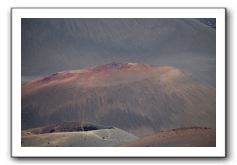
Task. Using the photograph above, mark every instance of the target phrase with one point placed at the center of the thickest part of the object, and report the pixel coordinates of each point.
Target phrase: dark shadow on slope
(65, 127)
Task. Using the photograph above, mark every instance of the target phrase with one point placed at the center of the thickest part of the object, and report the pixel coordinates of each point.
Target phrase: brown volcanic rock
(184, 137)
(138, 98)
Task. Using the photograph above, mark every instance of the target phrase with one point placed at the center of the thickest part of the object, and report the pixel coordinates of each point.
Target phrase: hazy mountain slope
(209, 22)
(138, 98)
(52, 45)
(186, 137)
(95, 138)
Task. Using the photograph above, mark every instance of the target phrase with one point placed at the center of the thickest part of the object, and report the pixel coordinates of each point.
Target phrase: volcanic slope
(80, 43)
(71, 134)
(184, 137)
(135, 97)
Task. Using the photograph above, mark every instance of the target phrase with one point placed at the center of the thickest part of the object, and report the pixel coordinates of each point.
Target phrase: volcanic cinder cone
(135, 97)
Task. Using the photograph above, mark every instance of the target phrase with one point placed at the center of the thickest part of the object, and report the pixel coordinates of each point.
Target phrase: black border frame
(227, 80)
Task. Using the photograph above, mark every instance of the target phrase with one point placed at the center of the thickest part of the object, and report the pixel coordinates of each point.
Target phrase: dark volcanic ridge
(138, 98)
(65, 127)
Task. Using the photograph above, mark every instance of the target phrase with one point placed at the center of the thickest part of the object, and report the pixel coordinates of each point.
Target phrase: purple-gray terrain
(118, 82)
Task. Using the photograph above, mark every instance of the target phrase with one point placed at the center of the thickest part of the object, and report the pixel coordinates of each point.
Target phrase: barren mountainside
(53, 45)
(138, 98)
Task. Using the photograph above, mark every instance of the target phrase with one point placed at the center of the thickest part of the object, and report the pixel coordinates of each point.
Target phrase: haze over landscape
(118, 82)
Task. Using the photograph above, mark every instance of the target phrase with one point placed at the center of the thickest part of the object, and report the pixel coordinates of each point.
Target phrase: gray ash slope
(52, 45)
(138, 98)
(95, 138)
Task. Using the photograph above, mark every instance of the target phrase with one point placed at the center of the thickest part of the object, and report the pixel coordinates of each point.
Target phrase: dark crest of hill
(65, 127)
